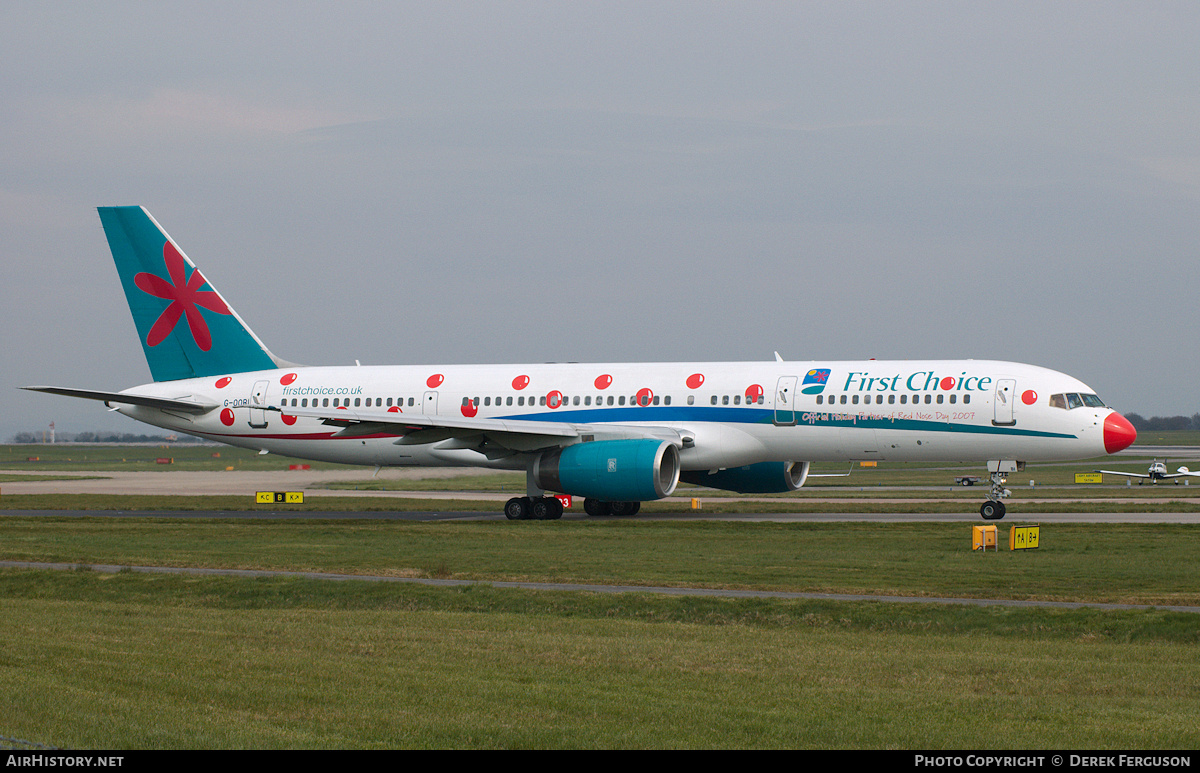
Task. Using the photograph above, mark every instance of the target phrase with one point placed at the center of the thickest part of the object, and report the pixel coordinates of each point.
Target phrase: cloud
(197, 112)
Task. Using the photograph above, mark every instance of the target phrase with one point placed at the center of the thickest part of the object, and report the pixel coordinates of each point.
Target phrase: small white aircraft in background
(1156, 472)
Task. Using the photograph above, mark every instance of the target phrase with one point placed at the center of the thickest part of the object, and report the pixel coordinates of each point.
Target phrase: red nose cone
(1118, 433)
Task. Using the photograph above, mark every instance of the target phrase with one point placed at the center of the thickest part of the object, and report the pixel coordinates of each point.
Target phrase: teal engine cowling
(611, 470)
(761, 478)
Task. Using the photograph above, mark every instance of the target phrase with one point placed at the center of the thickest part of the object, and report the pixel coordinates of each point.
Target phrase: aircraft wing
(183, 404)
(510, 434)
(1127, 474)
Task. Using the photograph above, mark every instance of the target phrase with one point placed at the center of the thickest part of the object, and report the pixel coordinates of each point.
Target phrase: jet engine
(761, 478)
(610, 470)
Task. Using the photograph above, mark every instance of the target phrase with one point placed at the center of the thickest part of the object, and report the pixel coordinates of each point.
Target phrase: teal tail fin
(185, 326)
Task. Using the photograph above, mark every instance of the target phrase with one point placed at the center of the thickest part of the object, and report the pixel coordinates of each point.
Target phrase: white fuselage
(731, 414)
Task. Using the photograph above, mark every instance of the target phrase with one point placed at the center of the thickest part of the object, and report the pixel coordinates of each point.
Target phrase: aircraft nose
(1118, 433)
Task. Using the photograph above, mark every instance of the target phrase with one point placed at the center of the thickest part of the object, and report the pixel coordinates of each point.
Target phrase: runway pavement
(314, 482)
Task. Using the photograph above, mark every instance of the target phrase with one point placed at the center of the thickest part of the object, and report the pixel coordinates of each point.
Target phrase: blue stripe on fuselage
(671, 414)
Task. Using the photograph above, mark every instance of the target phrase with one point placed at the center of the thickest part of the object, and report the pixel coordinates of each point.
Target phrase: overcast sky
(507, 181)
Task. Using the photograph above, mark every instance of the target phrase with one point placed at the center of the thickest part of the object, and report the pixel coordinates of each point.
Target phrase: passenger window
(724, 399)
(737, 399)
(953, 399)
(508, 400)
(820, 399)
(854, 399)
(928, 399)
(691, 399)
(891, 399)
(610, 399)
(714, 399)
(324, 402)
(904, 399)
(966, 398)
(842, 400)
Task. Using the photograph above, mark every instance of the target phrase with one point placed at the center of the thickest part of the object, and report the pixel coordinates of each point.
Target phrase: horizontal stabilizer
(182, 405)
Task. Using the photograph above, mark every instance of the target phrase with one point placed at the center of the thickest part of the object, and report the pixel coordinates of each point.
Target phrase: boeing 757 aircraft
(615, 434)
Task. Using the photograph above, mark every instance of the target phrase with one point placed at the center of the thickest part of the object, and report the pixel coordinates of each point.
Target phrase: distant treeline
(98, 437)
(1160, 423)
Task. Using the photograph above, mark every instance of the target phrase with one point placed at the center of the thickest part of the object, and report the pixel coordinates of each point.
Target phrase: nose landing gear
(993, 509)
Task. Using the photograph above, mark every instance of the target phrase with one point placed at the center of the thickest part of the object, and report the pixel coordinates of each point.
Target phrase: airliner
(615, 435)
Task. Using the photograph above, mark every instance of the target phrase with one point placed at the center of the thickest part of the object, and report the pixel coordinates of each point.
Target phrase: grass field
(133, 660)
(129, 660)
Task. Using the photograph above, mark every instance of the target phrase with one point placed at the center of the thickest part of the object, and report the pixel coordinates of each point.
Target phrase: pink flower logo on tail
(185, 296)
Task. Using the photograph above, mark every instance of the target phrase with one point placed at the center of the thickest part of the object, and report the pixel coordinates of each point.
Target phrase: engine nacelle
(611, 470)
(761, 478)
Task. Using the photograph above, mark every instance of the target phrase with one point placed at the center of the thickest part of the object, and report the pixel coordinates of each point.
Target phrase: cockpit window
(1074, 400)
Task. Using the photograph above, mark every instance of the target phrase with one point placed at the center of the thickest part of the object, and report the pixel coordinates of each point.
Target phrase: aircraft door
(429, 405)
(258, 398)
(785, 401)
(1006, 390)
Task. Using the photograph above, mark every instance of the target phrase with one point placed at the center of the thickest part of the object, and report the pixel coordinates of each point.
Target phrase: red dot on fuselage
(224, 382)
(1029, 397)
(947, 384)
(695, 380)
(604, 381)
(288, 420)
(289, 378)
(520, 382)
(435, 381)
(227, 417)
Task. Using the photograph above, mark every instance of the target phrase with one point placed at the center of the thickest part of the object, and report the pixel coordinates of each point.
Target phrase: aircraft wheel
(541, 509)
(596, 507)
(517, 509)
(992, 511)
(556, 508)
(625, 508)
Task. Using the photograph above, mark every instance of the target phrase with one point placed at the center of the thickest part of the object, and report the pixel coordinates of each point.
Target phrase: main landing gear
(551, 509)
(598, 507)
(533, 508)
(993, 509)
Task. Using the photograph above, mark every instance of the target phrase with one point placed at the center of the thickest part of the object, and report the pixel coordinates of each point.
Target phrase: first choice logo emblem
(185, 296)
(814, 381)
